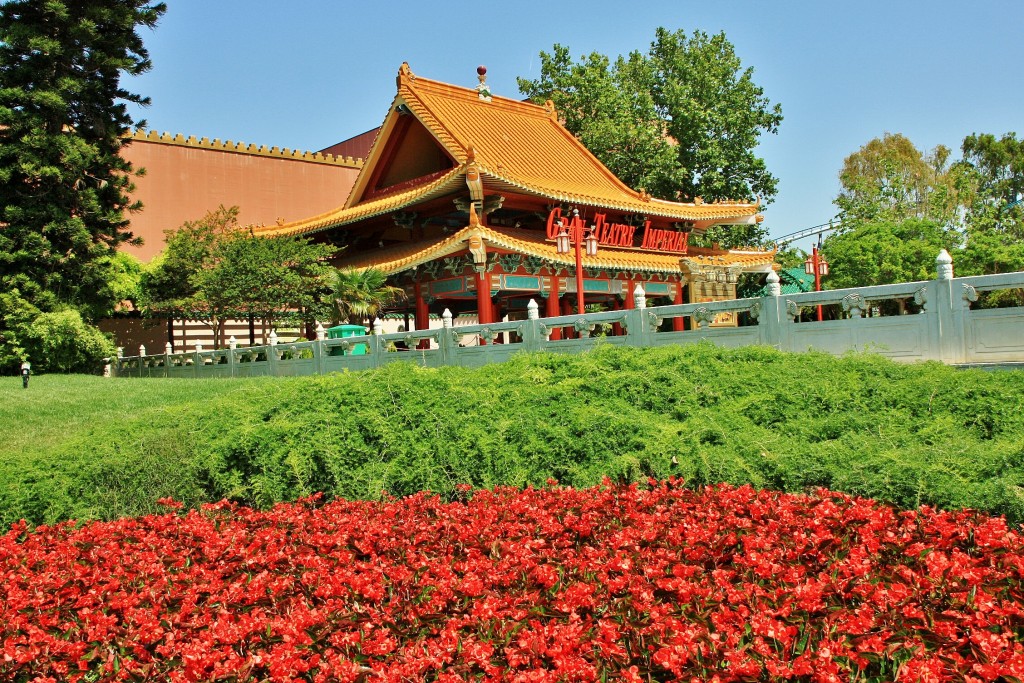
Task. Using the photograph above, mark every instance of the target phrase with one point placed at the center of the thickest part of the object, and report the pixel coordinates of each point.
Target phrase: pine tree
(64, 188)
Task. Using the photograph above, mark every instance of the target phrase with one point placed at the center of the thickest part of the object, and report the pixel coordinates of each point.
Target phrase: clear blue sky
(308, 73)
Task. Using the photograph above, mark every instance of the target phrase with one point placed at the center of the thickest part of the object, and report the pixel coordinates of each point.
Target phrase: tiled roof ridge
(405, 256)
(375, 207)
(411, 86)
(654, 207)
(545, 112)
(244, 148)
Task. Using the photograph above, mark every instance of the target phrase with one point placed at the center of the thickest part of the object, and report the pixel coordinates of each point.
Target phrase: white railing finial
(944, 265)
(774, 288)
(532, 310)
(639, 296)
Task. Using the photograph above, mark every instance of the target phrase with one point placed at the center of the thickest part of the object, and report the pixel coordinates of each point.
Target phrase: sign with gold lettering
(619, 234)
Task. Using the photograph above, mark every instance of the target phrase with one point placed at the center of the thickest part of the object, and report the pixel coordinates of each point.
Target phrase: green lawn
(88, 447)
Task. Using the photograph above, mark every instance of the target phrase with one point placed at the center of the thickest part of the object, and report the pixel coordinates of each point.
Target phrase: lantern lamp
(562, 239)
(591, 242)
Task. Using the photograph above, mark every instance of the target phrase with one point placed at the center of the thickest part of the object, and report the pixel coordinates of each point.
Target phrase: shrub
(61, 341)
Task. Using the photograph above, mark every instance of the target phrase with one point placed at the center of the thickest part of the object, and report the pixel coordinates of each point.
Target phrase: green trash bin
(342, 331)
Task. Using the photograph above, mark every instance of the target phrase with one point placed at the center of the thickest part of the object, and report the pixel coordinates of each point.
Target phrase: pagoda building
(463, 196)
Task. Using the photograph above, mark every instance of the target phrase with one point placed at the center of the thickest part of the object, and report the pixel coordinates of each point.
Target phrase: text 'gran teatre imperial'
(619, 234)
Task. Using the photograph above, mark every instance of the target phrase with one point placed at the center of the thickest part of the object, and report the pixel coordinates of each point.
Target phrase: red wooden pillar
(551, 310)
(483, 301)
(628, 299)
(567, 310)
(422, 315)
(616, 327)
(678, 323)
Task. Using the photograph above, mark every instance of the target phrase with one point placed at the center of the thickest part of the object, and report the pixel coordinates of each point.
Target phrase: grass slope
(85, 447)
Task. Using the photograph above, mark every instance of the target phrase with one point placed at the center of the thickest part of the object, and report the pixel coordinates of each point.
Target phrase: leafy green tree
(170, 286)
(268, 278)
(361, 294)
(16, 314)
(680, 122)
(885, 252)
(212, 271)
(604, 106)
(60, 341)
(993, 173)
(64, 188)
(891, 180)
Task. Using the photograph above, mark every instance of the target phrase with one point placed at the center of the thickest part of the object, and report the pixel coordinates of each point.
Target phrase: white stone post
(321, 333)
(944, 265)
(446, 319)
(639, 297)
(532, 310)
(197, 363)
(774, 288)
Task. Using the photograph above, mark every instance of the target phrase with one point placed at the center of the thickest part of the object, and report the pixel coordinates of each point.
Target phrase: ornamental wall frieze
(244, 148)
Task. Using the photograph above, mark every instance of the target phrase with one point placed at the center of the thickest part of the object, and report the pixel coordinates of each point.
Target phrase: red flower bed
(612, 583)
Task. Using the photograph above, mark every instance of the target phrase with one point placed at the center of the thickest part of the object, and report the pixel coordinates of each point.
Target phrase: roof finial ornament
(483, 91)
(404, 74)
(549, 107)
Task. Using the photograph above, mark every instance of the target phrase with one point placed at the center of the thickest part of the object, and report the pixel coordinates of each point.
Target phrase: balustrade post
(953, 301)
(771, 318)
(377, 346)
(197, 359)
(168, 350)
(448, 343)
(533, 340)
(272, 353)
(637, 325)
(232, 345)
(318, 349)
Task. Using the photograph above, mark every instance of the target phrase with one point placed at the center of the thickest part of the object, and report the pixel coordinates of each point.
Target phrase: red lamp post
(817, 266)
(581, 242)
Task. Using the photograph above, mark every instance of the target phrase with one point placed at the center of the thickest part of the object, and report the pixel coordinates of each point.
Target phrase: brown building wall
(185, 178)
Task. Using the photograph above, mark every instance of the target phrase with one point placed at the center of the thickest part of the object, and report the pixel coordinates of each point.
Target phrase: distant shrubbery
(905, 434)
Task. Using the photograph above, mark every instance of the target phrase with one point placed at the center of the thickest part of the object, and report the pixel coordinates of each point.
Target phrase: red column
(616, 327)
(567, 310)
(551, 310)
(628, 299)
(677, 323)
(422, 315)
(483, 300)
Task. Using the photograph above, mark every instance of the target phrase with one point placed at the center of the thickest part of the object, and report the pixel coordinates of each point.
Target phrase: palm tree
(361, 294)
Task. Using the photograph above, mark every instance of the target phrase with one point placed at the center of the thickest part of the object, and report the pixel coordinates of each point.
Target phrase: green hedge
(906, 434)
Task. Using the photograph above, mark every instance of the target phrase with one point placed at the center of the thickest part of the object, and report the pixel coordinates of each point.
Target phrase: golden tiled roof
(516, 147)
(530, 243)
(394, 202)
(523, 145)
